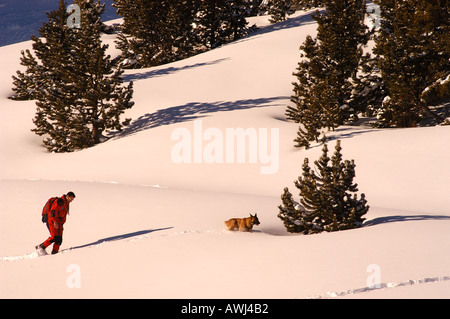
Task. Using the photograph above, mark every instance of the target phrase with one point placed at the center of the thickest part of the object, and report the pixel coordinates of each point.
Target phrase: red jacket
(58, 213)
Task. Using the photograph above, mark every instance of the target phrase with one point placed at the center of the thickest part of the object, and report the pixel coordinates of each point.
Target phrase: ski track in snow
(34, 254)
(31, 255)
(389, 285)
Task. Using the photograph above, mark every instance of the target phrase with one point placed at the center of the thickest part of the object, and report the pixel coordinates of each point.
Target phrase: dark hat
(71, 194)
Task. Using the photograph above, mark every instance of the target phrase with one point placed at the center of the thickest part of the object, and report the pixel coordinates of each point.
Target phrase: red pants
(55, 237)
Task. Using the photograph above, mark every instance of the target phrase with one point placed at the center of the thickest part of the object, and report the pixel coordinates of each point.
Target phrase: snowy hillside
(147, 221)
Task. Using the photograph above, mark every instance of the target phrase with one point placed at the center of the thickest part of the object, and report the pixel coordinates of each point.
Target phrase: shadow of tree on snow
(403, 218)
(190, 112)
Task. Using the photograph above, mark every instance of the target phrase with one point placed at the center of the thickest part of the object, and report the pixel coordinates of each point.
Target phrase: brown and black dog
(243, 224)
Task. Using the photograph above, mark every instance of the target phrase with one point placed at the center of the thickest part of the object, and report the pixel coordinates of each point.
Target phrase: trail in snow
(389, 285)
(130, 237)
(31, 255)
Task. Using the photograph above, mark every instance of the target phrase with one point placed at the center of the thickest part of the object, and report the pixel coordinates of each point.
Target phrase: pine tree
(28, 85)
(279, 9)
(255, 7)
(235, 22)
(24, 84)
(209, 20)
(291, 213)
(155, 32)
(210, 23)
(308, 4)
(181, 17)
(369, 89)
(220, 21)
(80, 94)
(101, 98)
(414, 56)
(323, 93)
(143, 39)
(328, 197)
(48, 69)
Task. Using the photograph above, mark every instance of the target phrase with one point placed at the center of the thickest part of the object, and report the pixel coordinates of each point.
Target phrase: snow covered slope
(148, 218)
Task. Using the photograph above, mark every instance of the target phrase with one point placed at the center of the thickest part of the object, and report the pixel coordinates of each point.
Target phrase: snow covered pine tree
(79, 94)
(326, 202)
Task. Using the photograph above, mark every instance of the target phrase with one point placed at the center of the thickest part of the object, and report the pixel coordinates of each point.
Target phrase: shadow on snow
(154, 72)
(190, 112)
(403, 218)
(119, 237)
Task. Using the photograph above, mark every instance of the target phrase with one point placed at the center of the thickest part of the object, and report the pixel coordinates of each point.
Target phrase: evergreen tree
(291, 213)
(235, 22)
(182, 15)
(220, 21)
(209, 20)
(101, 98)
(24, 84)
(322, 96)
(369, 89)
(328, 197)
(79, 94)
(308, 4)
(279, 9)
(255, 7)
(147, 38)
(48, 69)
(54, 55)
(155, 32)
(414, 58)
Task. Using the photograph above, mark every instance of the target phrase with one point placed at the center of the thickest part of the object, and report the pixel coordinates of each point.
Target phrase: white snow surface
(144, 226)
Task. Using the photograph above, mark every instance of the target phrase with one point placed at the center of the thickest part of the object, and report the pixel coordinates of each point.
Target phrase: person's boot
(54, 252)
(41, 250)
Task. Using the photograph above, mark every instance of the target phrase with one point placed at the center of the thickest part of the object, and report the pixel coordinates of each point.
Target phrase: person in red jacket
(55, 221)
